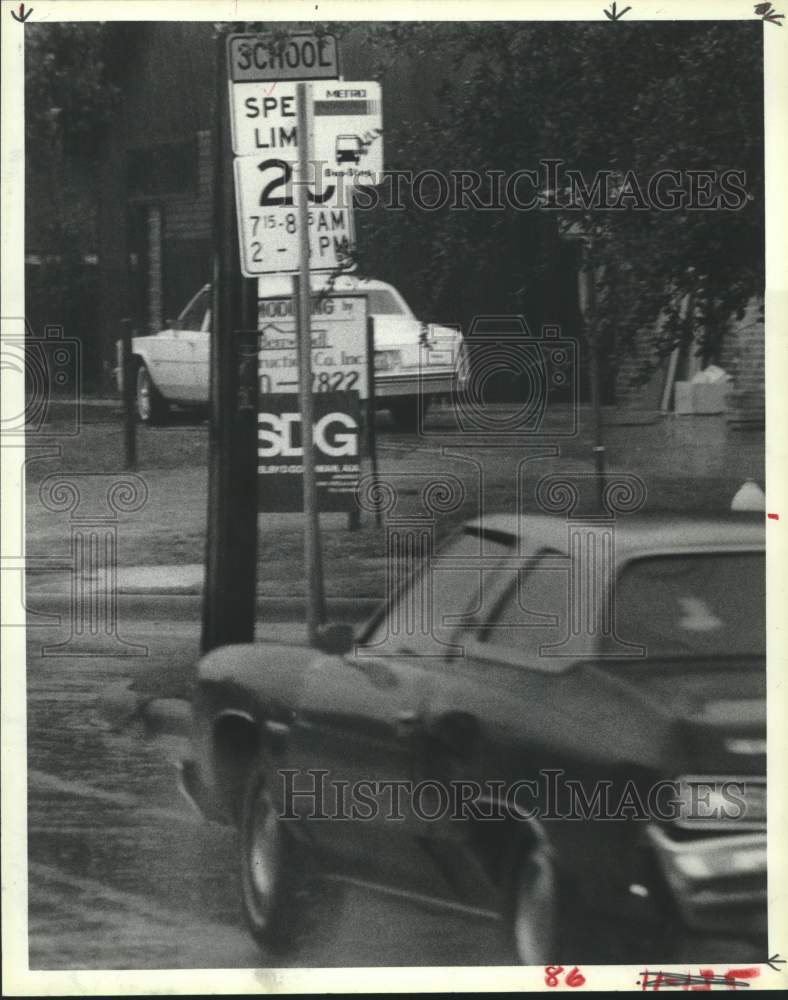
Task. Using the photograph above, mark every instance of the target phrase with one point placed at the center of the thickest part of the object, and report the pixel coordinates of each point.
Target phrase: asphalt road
(124, 875)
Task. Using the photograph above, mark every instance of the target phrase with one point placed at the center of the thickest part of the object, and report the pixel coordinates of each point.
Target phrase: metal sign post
(276, 236)
(587, 296)
(313, 563)
(371, 427)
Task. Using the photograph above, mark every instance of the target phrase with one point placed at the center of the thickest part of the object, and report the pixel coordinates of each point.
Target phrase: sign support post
(588, 297)
(372, 436)
(129, 414)
(313, 564)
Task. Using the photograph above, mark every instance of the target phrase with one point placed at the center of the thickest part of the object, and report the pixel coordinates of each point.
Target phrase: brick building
(741, 355)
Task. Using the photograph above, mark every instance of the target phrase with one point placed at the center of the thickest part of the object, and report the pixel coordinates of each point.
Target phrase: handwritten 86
(573, 978)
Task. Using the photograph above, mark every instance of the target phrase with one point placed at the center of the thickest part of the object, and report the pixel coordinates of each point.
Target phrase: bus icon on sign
(349, 149)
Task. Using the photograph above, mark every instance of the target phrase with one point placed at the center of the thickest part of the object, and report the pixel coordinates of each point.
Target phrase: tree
(67, 88)
(630, 99)
(68, 102)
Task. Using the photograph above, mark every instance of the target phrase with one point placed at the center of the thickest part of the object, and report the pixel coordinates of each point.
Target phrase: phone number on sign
(321, 382)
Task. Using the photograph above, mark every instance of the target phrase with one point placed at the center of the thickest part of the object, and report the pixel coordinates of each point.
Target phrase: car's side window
(193, 316)
(533, 612)
(441, 603)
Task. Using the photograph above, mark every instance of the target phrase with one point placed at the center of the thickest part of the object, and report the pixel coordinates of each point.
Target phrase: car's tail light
(386, 361)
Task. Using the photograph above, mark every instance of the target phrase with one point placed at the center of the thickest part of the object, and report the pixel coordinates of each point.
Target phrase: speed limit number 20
(268, 220)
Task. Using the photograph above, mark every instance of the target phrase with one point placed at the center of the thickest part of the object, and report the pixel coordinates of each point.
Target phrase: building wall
(741, 355)
(155, 218)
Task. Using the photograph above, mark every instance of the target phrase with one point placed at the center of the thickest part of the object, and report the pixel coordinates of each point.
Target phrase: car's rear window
(380, 302)
(701, 603)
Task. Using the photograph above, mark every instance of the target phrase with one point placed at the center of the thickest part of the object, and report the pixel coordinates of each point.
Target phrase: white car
(172, 366)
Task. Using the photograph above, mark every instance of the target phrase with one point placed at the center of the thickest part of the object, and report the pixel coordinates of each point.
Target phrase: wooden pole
(129, 415)
(229, 600)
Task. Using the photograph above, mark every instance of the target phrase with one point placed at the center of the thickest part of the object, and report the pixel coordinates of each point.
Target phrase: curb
(92, 411)
(188, 607)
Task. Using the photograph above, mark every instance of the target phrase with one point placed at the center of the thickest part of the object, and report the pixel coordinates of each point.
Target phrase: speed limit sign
(266, 200)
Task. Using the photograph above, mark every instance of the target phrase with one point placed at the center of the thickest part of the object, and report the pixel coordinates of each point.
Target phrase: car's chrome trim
(736, 711)
(706, 899)
(751, 747)
(745, 781)
(183, 769)
(237, 713)
(734, 841)
(413, 385)
(276, 728)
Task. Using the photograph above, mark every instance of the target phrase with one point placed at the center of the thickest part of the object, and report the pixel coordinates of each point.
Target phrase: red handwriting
(572, 978)
(773, 517)
(704, 980)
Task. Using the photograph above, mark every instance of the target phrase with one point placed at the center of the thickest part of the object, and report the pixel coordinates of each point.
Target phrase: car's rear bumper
(717, 882)
(417, 383)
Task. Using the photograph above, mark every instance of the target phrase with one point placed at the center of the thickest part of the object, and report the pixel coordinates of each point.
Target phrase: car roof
(279, 285)
(635, 534)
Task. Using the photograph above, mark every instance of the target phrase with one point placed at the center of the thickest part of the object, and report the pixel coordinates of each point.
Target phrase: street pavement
(124, 875)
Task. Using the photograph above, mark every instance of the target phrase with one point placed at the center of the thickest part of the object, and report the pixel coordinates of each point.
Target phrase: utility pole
(231, 549)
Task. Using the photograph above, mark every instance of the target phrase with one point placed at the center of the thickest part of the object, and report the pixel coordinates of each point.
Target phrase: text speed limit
(266, 198)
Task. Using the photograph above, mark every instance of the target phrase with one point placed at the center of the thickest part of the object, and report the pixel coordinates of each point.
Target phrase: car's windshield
(381, 302)
(705, 603)
(193, 315)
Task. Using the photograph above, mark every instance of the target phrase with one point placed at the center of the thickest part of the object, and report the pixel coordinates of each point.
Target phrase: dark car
(572, 718)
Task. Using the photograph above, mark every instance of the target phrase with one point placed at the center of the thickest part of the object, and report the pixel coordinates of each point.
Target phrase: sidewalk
(170, 594)
(686, 463)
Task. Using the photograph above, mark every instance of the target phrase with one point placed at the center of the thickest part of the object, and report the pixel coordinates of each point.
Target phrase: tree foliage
(618, 97)
(68, 94)
(69, 100)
